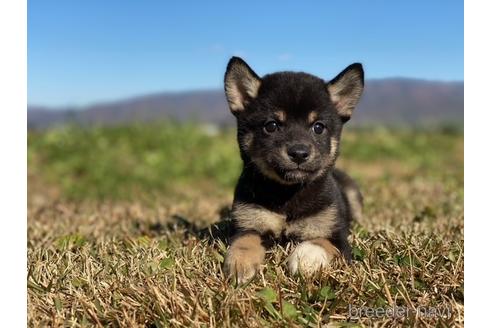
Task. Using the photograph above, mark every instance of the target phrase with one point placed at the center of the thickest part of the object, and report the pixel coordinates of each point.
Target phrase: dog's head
(289, 124)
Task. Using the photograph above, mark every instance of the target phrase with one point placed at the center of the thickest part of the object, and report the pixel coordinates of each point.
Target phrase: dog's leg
(244, 257)
(311, 256)
(341, 243)
(352, 193)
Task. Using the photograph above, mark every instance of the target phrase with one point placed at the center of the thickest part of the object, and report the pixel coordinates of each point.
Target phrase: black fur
(270, 177)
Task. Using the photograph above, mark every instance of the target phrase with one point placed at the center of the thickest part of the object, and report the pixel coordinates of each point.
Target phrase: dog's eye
(271, 126)
(318, 128)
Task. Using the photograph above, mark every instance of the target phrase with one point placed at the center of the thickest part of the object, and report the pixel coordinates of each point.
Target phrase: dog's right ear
(241, 84)
(346, 89)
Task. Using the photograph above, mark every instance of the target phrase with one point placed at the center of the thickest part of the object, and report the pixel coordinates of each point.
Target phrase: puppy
(288, 129)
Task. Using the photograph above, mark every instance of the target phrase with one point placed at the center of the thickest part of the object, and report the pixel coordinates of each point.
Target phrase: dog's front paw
(241, 266)
(311, 256)
(244, 258)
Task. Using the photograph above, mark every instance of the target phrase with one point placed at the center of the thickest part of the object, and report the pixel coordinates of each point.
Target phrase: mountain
(385, 101)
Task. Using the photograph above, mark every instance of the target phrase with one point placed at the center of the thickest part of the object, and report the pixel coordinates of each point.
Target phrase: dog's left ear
(241, 84)
(345, 90)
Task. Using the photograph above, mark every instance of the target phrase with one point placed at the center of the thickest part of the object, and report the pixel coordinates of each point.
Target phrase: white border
(13, 87)
(478, 164)
(13, 172)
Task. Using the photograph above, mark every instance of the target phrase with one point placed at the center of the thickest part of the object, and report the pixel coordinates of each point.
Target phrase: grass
(128, 226)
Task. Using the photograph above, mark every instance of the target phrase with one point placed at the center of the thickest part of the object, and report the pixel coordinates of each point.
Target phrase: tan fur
(267, 171)
(280, 115)
(244, 257)
(332, 156)
(312, 117)
(345, 93)
(319, 225)
(354, 201)
(329, 160)
(351, 191)
(247, 141)
(253, 217)
(330, 249)
(240, 86)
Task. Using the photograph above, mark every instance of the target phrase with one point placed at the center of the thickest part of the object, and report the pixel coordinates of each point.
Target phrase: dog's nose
(298, 153)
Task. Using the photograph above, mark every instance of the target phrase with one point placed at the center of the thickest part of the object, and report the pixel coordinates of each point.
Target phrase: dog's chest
(319, 224)
(304, 214)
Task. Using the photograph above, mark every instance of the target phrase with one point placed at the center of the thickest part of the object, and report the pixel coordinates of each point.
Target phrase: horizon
(83, 53)
(190, 91)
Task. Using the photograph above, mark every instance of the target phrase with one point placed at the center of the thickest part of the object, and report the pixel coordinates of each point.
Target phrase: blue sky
(81, 52)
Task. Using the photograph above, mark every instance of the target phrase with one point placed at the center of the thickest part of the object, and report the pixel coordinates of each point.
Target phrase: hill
(385, 101)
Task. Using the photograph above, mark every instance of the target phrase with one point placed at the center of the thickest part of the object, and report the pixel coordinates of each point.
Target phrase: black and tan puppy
(288, 128)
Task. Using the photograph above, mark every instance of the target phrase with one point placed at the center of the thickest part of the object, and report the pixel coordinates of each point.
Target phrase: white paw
(308, 258)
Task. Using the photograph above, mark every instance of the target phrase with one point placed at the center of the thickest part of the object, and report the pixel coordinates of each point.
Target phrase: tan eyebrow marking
(281, 115)
(312, 117)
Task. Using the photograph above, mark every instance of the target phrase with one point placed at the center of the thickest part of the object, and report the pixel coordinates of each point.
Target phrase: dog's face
(289, 124)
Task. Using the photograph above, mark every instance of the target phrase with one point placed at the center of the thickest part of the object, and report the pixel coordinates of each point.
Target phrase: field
(128, 226)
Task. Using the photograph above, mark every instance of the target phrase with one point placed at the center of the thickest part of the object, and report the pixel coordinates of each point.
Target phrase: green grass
(118, 218)
(123, 161)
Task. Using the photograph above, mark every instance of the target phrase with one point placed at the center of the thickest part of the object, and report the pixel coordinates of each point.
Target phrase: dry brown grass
(138, 263)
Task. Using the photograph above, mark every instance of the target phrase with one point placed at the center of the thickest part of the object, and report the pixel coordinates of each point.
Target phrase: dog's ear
(345, 90)
(241, 84)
